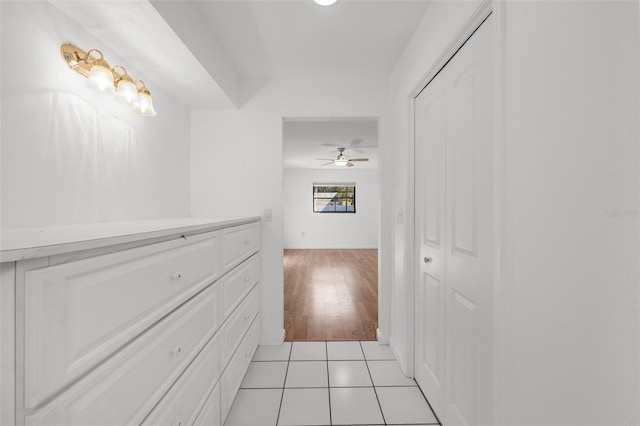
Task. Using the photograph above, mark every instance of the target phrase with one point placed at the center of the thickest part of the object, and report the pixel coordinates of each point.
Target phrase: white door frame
(501, 295)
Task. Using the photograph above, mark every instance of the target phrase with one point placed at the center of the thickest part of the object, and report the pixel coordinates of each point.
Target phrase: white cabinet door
(430, 140)
(454, 223)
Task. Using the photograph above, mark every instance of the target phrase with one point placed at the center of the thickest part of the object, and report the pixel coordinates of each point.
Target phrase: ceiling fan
(342, 160)
(354, 145)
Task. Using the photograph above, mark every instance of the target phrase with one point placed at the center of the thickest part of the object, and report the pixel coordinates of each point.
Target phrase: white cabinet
(135, 332)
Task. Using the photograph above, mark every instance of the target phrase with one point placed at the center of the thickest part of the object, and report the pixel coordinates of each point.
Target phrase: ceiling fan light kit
(341, 160)
(325, 2)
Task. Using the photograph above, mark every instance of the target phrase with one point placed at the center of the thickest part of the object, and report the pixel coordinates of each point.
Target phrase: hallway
(328, 383)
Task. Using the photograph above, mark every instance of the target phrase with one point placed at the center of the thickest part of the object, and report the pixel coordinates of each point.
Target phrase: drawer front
(77, 314)
(210, 414)
(238, 283)
(236, 369)
(236, 326)
(181, 405)
(125, 388)
(238, 243)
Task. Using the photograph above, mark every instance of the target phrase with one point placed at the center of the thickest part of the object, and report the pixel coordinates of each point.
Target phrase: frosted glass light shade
(341, 163)
(325, 2)
(126, 93)
(144, 106)
(101, 79)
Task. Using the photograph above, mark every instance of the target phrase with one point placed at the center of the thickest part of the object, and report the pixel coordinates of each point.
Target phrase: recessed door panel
(431, 318)
(462, 149)
(464, 356)
(434, 115)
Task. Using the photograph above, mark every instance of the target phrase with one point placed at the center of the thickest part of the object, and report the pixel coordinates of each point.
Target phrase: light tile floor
(328, 383)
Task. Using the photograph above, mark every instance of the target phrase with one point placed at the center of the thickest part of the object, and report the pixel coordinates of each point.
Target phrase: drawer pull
(247, 279)
(177, 422)
(247, 316)
(177, 276)
(246, 242)
(176, 350)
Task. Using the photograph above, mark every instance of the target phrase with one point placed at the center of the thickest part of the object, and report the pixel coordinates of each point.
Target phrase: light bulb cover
(101, 79)
(325, 2)
(341, 162)
(126, 89)
(144, 106)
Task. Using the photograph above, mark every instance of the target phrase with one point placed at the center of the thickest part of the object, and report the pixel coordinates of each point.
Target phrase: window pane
(334, 199)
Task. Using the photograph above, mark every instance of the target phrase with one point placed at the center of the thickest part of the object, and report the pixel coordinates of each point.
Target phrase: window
(334, 198)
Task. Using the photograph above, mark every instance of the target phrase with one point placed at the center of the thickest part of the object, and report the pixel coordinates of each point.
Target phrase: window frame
(345, 199)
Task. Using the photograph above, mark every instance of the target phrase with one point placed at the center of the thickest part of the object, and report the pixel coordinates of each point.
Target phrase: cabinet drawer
(182, 403)
(238, 283)
(236, 369)
(238, 243)
(79, 313)
(125, 388)
(236, 326)
(210, 414)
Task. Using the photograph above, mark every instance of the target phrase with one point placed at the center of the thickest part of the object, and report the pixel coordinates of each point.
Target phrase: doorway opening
(331, 228)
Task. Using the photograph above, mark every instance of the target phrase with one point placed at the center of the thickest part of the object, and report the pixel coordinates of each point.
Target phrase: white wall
(70, 156)
(571, 99)
(437, 29)
(237, 169)
(322, 231)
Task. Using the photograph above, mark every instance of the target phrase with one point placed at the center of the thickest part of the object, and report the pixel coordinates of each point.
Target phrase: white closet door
(469, 231)
(430, 140)
(454, 227)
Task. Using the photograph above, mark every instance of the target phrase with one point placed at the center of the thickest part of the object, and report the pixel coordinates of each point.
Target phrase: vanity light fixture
(325, 2)
(105, 79)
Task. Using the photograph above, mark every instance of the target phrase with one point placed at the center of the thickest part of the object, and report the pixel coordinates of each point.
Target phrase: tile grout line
(326, 349)
(284, 384)
(372, 383)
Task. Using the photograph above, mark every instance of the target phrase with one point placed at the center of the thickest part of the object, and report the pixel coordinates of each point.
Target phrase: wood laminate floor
(330, 294)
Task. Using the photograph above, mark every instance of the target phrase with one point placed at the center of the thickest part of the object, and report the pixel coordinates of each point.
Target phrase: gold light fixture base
(76, 58)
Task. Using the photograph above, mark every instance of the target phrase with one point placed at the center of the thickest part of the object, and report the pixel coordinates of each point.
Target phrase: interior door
(454, 226)
(469, 230)
(430, 146)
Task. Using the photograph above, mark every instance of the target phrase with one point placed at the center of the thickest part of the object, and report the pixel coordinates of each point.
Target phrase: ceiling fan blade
(358, 159)
(354, 143)
(333, 145)
(324, 159)
(326, 164)
(349, 164)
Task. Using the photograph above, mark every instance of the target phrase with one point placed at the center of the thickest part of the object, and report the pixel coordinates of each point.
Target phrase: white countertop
(28, 243)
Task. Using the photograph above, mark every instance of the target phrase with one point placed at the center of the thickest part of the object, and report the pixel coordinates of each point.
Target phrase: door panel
(469, 233)
(461, 97)
(430, 134)
(465, 355)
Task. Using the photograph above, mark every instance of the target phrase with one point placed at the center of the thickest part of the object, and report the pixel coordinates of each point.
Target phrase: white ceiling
(307, 140)
(259, 40)
(301, 38)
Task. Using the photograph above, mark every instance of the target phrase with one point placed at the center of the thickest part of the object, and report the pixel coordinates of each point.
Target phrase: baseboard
(401, 360)
(273, 340)
(382, 339)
